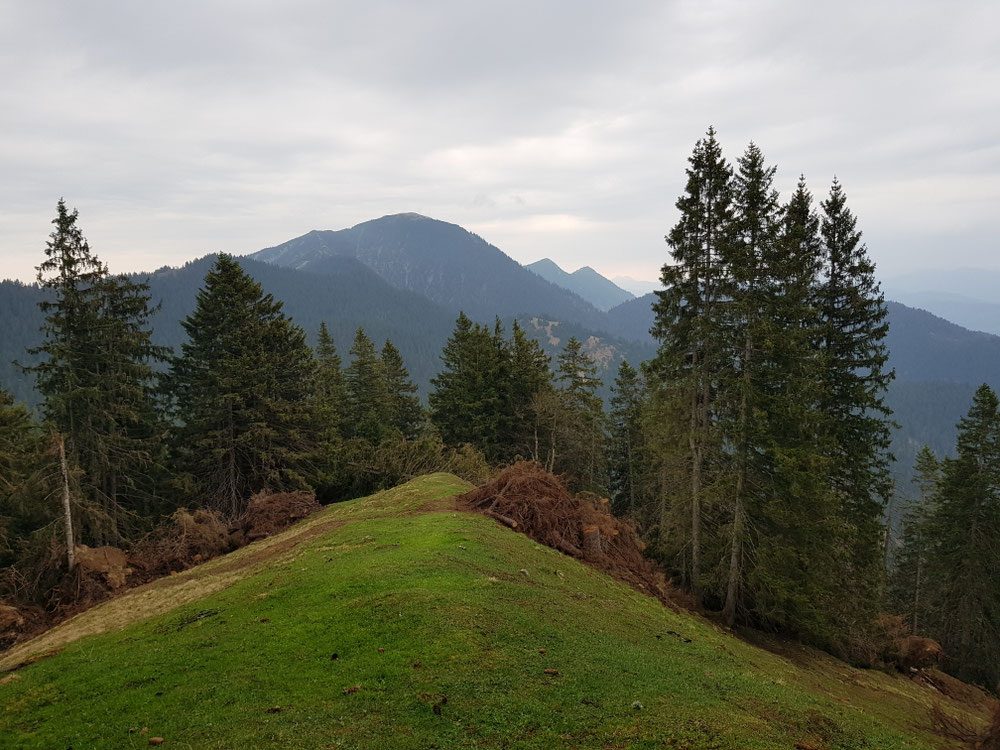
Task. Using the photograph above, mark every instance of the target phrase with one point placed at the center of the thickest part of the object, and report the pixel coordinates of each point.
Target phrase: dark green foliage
(369, 413)
(765, 456)
(908, 589)
(582, 429)
(469, 397)
(95, 375)
(405, 412)
(22, 509)
(625, 442)
(331, 389)
(689, 324)
(242, 389)
(962, 608)
(854, 325)
(530, 373)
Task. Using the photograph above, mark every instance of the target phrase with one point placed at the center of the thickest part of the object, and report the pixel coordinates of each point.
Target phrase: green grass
(442, 594)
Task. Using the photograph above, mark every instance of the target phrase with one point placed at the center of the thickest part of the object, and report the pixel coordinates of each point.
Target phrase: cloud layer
(553, 129)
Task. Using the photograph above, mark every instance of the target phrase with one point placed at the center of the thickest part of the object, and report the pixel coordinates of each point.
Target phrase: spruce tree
(331, 389)
(909, 576)
(625, 442)
(749, 330)
(530, 373)
(405, 412)
(583, 429)
(243, 393)
(795, 578)
(21, 446)
(964, 580)
(689, 322)
(468, 397)
(96, 379)
(369, 409)
(853, 327)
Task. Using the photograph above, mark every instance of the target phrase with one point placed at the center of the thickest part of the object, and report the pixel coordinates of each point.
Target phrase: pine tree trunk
(736, 549)
(67, 511)
(696, 459)
(916, 588)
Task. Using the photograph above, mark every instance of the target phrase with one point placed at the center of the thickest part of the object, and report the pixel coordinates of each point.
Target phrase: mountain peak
(598, 290)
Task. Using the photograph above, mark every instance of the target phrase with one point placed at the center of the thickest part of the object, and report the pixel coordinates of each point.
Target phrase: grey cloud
(556, 128)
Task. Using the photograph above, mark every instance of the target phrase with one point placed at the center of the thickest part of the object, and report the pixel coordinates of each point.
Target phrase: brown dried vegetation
(535, 502)
(183, 540)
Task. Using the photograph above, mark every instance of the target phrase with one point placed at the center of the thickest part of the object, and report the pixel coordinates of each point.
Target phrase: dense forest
(751, 450)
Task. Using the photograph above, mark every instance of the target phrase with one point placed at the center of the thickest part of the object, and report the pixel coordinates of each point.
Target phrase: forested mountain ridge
(346, 295)
(444, 262)
(599, 291)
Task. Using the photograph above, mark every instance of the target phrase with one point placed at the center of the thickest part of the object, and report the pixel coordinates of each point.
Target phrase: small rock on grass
(351, 689)
(523, 572)
(155, 740)
(553, 672)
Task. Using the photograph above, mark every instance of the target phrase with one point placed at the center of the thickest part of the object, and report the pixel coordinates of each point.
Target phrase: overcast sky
(556, 129)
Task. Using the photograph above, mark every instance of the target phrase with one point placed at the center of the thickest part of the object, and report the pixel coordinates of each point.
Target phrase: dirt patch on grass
(534, 502)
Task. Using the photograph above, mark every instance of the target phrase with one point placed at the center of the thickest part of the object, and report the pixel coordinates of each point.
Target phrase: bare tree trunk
(67, 512)
(735, 559)
(696, 458)
(916, 587)
(736, 549)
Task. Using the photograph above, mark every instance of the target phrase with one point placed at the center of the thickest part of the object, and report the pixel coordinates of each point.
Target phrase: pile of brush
(537, 503)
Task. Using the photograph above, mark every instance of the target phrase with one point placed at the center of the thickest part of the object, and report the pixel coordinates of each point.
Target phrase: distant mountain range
(586, 282)
(406, 277)
(969, 297)
(444, 262)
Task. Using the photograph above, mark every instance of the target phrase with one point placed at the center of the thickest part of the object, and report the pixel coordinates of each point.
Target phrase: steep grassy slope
(396, 622)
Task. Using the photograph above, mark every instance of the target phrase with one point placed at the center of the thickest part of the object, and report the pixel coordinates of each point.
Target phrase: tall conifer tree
(689, 319)
(853, 328)
(96, 379)
(369, 408)
(964, 590)
(405, 412)
(243, 391)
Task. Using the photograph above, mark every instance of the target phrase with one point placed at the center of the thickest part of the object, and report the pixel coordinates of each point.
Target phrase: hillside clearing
(429, 614)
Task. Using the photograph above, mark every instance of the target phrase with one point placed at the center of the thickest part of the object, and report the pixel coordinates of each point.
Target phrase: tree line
(752, 452)
(128, 432)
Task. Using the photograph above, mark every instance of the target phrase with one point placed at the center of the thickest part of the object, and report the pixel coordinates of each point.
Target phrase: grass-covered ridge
(426, 612)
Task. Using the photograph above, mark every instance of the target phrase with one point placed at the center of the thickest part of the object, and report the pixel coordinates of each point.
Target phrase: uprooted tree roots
(529, 499)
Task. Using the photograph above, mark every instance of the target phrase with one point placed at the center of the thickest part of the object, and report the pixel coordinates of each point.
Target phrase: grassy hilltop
(395, 621)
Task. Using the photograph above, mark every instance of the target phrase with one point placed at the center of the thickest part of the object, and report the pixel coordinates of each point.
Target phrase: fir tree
(96, 378)
(583, 433)
(405, 412)
(964, 585)
(243, 389)
(795, 579)
(689, 320)
(468, 397)
(331, 389)
(530, 373)
(369, 408)
(625, 444)
(908, 581)
(853, 327)
(749, 329)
